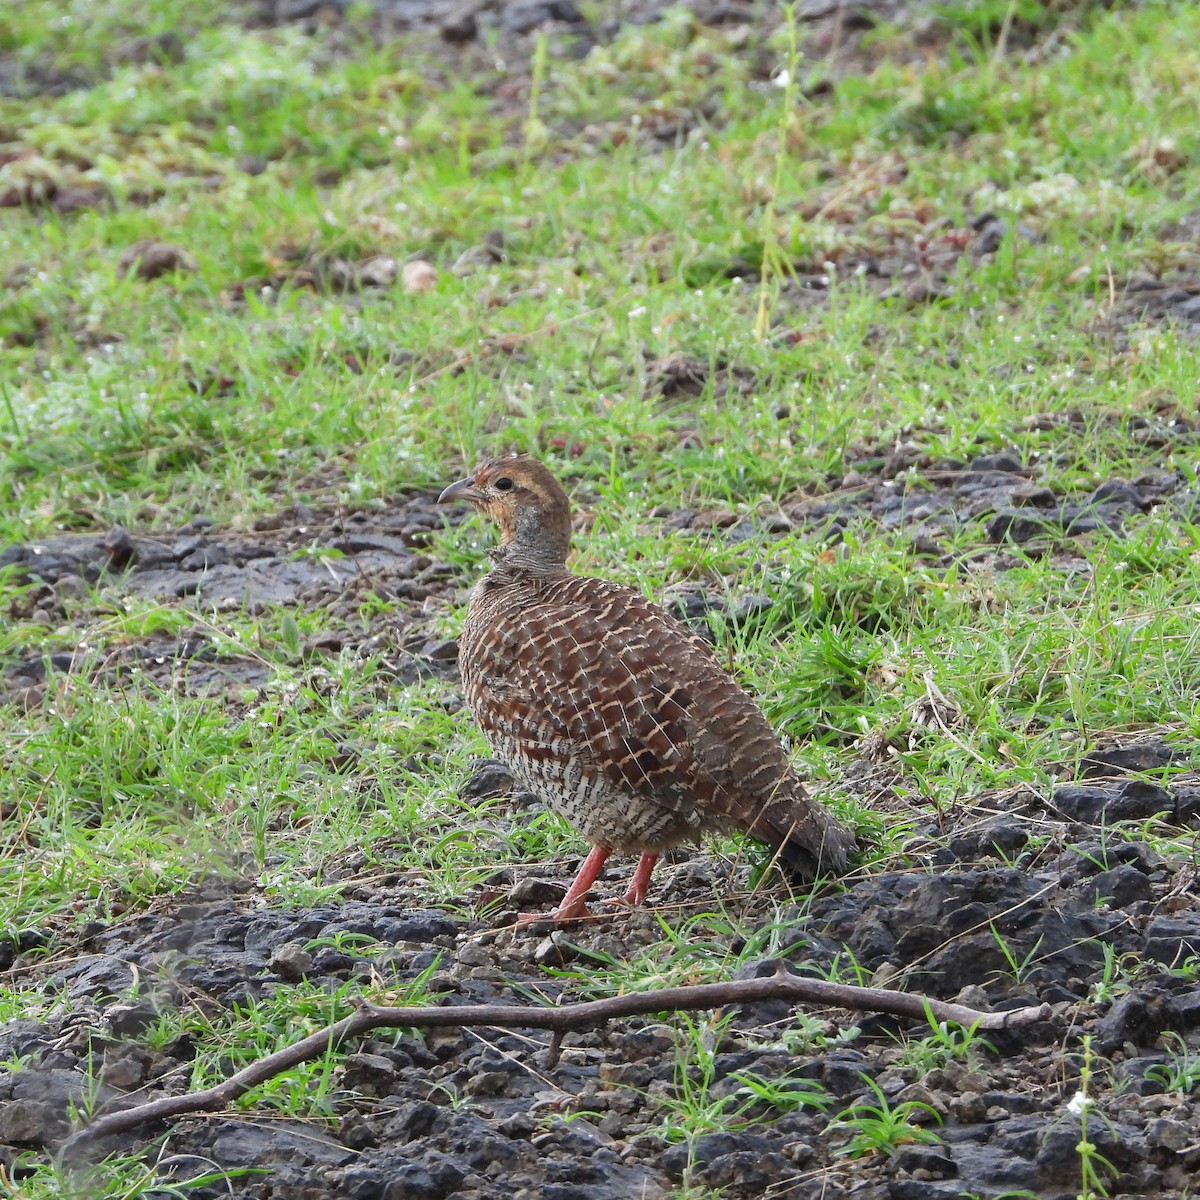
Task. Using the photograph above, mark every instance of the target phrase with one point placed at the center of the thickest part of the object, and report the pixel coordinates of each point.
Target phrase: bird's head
(529, 506)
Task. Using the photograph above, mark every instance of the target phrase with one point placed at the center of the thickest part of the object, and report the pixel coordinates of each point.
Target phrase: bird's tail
(807, 839)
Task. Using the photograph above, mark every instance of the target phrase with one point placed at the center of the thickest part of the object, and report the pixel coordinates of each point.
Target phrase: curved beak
(464, 489)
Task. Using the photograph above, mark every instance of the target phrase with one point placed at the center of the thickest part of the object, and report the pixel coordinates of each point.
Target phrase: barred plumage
(610, 710)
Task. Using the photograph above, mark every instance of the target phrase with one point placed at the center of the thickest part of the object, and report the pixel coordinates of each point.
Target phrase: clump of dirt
(680, 376)
(319, 272)
(1152, 301)
(148, 259)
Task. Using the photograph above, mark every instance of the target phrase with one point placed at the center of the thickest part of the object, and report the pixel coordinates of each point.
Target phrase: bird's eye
(503, 484)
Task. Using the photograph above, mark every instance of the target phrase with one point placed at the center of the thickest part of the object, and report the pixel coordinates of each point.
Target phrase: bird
(612, 712)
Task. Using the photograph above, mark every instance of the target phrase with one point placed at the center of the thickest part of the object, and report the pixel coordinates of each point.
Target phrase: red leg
(572, 905)
(639, 885)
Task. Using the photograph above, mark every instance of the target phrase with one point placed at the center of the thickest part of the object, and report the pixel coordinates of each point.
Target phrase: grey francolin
(610, 710)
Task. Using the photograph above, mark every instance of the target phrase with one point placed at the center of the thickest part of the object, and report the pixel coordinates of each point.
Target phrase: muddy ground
(480, 1114)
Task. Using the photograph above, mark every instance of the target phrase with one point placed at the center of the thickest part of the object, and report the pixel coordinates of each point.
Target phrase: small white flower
(782, 78)
(1080, 1103)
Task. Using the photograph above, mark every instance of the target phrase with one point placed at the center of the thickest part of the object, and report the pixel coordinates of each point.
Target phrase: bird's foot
(574, 910)
(633, 898)
(639, 885)
(573, 907)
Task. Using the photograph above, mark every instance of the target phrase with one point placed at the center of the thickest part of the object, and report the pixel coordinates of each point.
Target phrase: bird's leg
(572, 905)
(639, 885)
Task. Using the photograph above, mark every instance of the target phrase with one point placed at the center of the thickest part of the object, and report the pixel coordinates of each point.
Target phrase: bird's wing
(646, 702)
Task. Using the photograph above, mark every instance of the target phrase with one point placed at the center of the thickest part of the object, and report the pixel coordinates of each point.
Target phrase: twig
(780, 986)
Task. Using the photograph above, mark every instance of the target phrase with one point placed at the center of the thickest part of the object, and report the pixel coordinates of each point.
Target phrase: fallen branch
(780, 986)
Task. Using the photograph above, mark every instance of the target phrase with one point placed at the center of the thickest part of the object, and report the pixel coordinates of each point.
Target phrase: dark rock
(518, 1125)
(204, 558)
(248, 1143)
(29, 1123)
(943, 921)
(95, 976)
(1148, 755)
(369, 1074)
(487, 1083)
(636, 1074)
(132, 1018)
(1080, 519)
(35, 1105)
(1003, 836)
(1121, 886)
(1016, 525)
(531, 891)
(1117, 491)
(872, 936)
(1187, 804)
(1131, 1075)
(127, 1067)
(997, 462)
(936, 1161)
(1166, 1134)
(920, 1189)
(650, 1041)
(1029, 495)
(709, 1149)
(993, 1166)
(329, 960)
(524, 16)
(363, 1183)
(421, 925)
(1090, 858)
(842, 1072)
(1014, 1102)
(748, 1173)
(1057, 1160)
(411, 1181)
(990, 236)
(291, 961)
(1129, 800)
(392, 1173)
(1172, 940)
(300, 10)
(22, 1036)
(489, 777)
(556, 949)
(119, 547)
(460, 25)
(1186, 1003)
(1137, 1017)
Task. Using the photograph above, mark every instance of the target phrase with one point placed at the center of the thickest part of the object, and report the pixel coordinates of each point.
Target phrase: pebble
(418, 276)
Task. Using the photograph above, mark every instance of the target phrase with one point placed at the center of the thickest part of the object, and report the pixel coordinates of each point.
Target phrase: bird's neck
(513, 558)
(533, 545)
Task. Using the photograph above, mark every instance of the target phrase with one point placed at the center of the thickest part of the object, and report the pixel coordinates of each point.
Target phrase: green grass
(883, 1128)
(145, 401)
(662, 201)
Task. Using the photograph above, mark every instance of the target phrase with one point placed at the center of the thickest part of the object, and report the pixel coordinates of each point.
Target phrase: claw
(577, 910)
